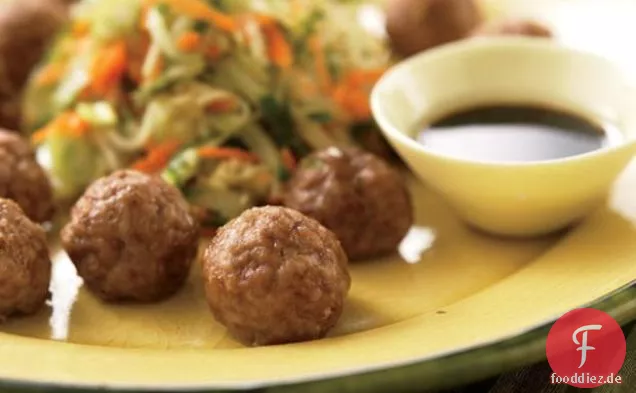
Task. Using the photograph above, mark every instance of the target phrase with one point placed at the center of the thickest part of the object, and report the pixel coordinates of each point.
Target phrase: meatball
(25, 265)
(417, 25)
(26, 29)
(274, 276)
(514, 27)
(22, 179)
(131, 237)
(356, 195)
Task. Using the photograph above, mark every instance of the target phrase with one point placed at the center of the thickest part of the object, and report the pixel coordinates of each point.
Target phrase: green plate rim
(432, 374)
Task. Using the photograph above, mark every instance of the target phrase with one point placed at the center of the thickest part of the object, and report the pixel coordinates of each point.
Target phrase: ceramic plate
(450, 314)
(471, 306)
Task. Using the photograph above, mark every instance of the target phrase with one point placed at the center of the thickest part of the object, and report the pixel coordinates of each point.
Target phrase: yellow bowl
(513, 199)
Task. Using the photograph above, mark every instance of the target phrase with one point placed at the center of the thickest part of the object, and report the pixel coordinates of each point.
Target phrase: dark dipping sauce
(510, 133)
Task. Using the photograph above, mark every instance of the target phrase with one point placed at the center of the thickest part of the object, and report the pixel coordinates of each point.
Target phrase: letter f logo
(583, 344)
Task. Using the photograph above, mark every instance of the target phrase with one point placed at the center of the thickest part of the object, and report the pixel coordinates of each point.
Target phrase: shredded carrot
(76, 126)
(39, 136)
(157, 157)
(339, 94)
(108, 67)
(264, 19)
(50, 74)
(225, 153)
(80, 28)
(189, 41)
(358, 105)
(197, 9)
(355, 102)
(278, 49)
(363, 78)
(351, 94)
(71, 124)
(222, 106)
(67, 123)
(321, 64)
(288, 159)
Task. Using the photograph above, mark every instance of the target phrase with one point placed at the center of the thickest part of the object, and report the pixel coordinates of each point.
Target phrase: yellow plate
(467, 291)
(473, 306)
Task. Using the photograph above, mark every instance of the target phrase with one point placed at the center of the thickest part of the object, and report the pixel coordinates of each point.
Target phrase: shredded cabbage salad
(219, 97)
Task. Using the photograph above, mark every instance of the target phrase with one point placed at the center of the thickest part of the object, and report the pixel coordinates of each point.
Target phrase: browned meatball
(131, 237)
(25, 267)
(514, 27)
(417, 25)
(275, 276)
(26, 29)
(22, 179)
(355, 194)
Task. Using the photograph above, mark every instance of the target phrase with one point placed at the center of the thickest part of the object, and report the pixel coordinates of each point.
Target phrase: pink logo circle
(586, 349)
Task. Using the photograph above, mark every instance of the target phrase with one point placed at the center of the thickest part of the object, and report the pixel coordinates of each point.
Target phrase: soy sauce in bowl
(515, 133)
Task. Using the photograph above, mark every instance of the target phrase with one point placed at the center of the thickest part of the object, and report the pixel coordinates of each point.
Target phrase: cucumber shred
(73, 163)
(249, 78)
(181, 168)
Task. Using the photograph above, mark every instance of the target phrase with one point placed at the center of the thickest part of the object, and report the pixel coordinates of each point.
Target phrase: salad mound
(221, 98)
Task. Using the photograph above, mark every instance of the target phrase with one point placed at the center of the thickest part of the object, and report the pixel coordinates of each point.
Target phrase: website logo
(586, 349)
